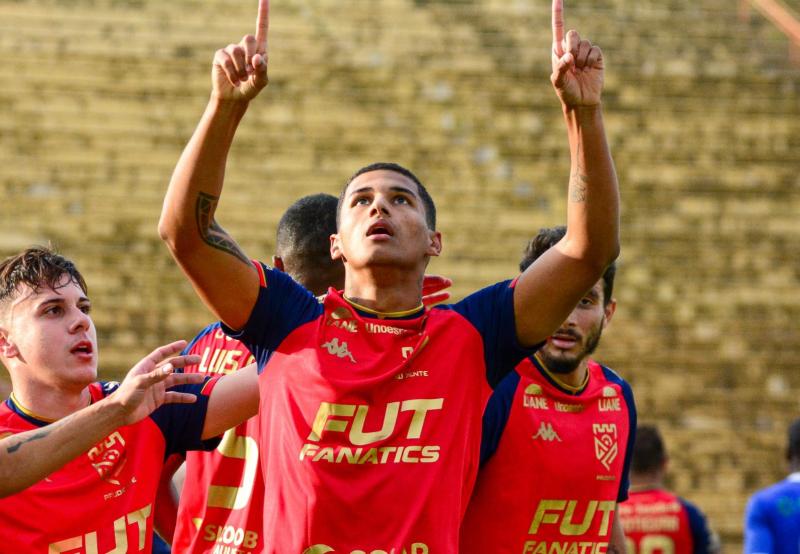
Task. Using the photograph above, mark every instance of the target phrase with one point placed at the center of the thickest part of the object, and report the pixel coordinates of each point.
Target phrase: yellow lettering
(243, 448)
(324, 454)
(308, 449)
(430, 454)
(323, 423)
(542, 515)
(250, 539)
(357, 434)
(139, 518)
(407, 454)
(421, 407)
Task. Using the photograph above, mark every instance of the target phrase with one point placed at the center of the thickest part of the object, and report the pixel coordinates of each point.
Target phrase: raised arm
(551, 287)
(208, 255)
(28, 457)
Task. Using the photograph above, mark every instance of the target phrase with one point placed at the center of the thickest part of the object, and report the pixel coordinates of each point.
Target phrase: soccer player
(772, 518)
(102, 500)
(654, 519)
(30, 456)
(369, 422)
(556, 440)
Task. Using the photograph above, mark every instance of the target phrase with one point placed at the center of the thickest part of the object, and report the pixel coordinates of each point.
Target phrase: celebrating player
(772, 518)
(370, 406)
(556, 437)
(103, 497)
(656, 520)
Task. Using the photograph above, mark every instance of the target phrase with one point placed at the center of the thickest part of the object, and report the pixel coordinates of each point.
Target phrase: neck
(384, 290)
(50, 403)
(575, 379)
(645, 481)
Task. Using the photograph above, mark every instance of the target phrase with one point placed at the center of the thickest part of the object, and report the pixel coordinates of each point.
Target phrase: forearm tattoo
(14, 447)
(214, 235)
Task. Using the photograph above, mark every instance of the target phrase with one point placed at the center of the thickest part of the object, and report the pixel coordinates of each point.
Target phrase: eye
(53, 310)
(360, 201)
(586, 301)
(85, 308)
(401, 200)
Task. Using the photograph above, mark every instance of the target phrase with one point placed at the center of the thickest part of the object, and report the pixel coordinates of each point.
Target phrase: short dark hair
(427, 201)
(545, 240)
(37, 267)
(793, 441)
(303, 241)
(649, 453)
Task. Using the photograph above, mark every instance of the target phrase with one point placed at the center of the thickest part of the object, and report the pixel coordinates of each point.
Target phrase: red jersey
(555, 464)
(370, 423)
(222, 500)
(658, 522)
(102, 501)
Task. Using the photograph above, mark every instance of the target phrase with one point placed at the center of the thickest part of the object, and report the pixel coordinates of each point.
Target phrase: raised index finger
(262, 26)
(558, 27)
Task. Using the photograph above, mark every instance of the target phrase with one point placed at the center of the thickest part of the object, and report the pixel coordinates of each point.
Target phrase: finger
(250, 49)
(558, 27)
(224, 62)
(595, 58)
(583, 53)
(236, 53)
(262, 26)
(260, 78)
(155, 376)
(165, 352)
(561, 69)
(172, 397)
(431, 299)
(572, 42)
(186, 360)
(176, 379)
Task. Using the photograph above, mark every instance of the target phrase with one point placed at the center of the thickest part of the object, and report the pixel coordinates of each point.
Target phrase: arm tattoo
(14, 447)
(577, 189)
(211, 232)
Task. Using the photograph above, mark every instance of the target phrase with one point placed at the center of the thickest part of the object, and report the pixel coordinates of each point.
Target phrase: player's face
(49, 338)
(579, 335)
(382, 222)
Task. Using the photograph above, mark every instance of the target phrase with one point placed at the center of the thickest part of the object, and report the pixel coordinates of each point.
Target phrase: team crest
(606, 447)
(109, 457)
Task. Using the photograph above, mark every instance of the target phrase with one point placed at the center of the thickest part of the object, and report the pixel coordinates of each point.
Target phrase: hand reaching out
(240, 70)
(145, 387)
(577, 65)
(433, 289)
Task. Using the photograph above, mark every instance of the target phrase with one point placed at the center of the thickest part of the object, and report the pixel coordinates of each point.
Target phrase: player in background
(369, 421)
(101, 501)
(655, 520)
(557, 435)
(772, 518)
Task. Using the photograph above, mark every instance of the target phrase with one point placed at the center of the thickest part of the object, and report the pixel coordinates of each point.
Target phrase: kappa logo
(547, 433)
(340, 350)
(605, 443)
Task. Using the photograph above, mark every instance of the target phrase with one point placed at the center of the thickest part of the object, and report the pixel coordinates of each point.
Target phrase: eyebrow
(394, 188)
(61, 300)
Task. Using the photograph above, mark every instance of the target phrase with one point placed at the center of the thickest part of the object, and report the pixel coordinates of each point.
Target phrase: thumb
(562, 67)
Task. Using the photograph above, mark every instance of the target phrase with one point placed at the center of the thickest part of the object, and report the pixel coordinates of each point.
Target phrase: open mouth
(83, 347)
(564, 340)
(380, 228)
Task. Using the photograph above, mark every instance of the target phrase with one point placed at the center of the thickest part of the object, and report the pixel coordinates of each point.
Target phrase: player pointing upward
(370, 407)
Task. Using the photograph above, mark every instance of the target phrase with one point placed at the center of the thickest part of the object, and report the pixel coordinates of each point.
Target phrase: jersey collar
(555, 381)
(369, 312)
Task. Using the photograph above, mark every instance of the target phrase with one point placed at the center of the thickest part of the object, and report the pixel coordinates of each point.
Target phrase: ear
(434, 243)
(8, 349)
(609, 311)
(336, 248)
(277, 263)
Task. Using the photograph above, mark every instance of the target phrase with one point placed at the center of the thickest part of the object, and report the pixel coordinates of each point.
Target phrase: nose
(80, 322)
(380, 206)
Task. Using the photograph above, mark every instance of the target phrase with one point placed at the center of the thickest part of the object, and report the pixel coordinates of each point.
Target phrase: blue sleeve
(496, 415)
(281, 307)
(210, 329)
(757, 531)
(491, 312)
(182, 424)
(627, 395)
(703, 539)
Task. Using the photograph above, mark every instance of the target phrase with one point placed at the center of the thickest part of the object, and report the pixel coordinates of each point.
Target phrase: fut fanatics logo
(547, 433)
(340, 350)
(605, 443)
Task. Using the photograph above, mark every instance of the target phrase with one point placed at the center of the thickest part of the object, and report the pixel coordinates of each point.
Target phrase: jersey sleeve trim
(627, 394)
(496, 414)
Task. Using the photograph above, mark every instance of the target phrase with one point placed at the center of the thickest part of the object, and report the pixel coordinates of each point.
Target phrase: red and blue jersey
(554, 463)
(370, 423)
(658, 522)
(102, 501)
(222, 499)
(772, 519)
